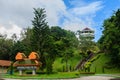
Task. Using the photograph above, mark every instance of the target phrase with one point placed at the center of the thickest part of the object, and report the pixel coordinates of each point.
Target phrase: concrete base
(33, 72)
(20, 72)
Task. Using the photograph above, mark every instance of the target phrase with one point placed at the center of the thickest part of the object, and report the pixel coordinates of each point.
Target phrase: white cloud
(13, 30)
(87, 9)
(20, 12)
(81, 16)
(73, 26)
(54, 9)
(77, 3)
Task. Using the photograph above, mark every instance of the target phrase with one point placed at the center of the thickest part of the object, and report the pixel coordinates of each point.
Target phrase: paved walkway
(81, 78)
(94, 78)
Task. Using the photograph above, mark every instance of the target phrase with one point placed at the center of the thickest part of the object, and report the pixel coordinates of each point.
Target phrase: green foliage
(101, 63)
(5, 48)
(49, 59)
(61, 75)
(94, 58)
(49, 63)
(50, 43)
(17, 47)
(87, 64)
(57, 33)
(66, 56)
(60, 65)
(10, 69)
(26, 40)
(63, 40)
(86, 44)
(98, 64)
(64, 43)
(26, 62)
(59, 43)
(40, 31)
(109, 42)
(40, 36)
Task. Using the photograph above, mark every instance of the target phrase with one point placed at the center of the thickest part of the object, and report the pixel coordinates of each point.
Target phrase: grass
(60, 75)
(73, 61)
(97, 66)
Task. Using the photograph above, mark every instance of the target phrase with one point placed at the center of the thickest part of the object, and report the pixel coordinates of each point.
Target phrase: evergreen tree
(40, 36)
(40, 30)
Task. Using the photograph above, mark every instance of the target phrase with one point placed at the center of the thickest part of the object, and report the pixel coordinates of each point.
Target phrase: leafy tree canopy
(110, 40)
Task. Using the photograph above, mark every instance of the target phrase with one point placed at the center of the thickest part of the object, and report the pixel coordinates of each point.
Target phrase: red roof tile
(5, 63)
(86, 28)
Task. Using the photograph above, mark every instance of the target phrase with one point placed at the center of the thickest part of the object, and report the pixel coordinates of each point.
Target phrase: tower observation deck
(87, 33)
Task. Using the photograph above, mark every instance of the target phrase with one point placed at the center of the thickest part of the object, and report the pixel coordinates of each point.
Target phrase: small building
(30, 63)
(87, 33)
(4, 65)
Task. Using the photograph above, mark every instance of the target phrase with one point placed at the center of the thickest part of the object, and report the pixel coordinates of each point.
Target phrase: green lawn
(72, 62)
(45, 76)
(97, 66)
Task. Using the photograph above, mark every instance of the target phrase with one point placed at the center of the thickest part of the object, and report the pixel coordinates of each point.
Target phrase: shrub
(87, 64)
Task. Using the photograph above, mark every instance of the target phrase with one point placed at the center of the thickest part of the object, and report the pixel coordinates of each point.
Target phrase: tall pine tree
(40, 36)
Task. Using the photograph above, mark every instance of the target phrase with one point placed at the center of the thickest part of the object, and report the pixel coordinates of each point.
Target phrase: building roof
(33, 56)
(5, 63)
(20, 56)
(86, 29)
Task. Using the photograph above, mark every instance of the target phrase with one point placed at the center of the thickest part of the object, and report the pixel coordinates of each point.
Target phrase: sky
(16, 15)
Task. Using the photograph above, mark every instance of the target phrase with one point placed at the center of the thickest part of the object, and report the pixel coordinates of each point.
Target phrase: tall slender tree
(40, 36)
(40, 30)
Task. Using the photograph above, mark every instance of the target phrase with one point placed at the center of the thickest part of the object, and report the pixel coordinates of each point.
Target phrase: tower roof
(86, 29)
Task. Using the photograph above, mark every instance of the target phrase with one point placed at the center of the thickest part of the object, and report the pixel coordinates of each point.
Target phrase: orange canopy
(20, 56)
(33, 56)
